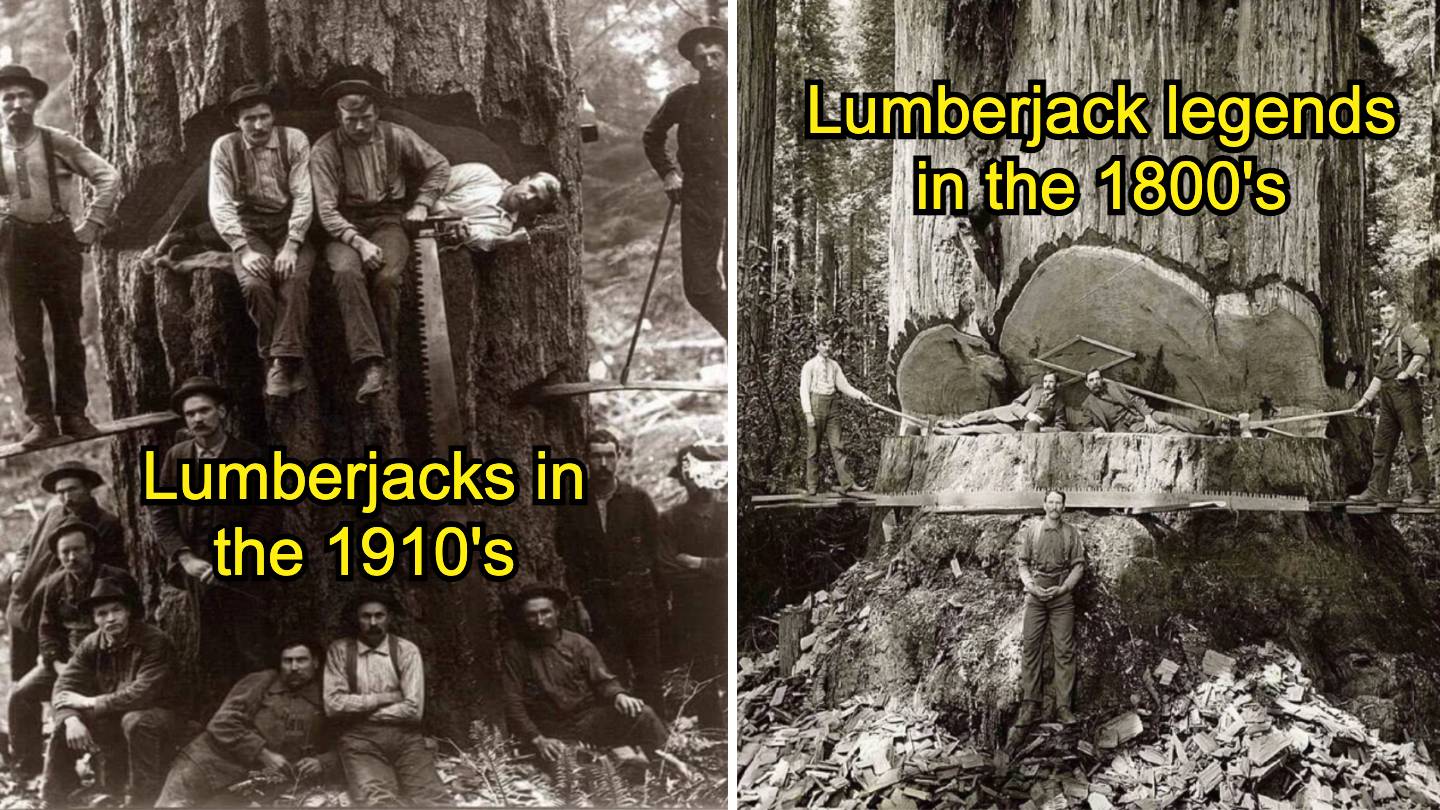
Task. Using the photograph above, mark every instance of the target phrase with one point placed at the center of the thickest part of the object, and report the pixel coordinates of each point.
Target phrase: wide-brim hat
(70, 469)
(352, 87)
(71, 525)
(106, 590)
(697, 36)
(247, 95)
(18, 74)
(553, 593)
(197, 385)
(389, 600)
(702, 451)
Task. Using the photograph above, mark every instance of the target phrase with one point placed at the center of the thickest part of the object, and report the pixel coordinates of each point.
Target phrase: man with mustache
(41, 254)
(1039, 407)
(363, 199)
(609, 545)
(260, 205)
(112, 700)
(496, 210)
(272, 720)
(374, 692)
(1111, 409)
(1051, 563)
(557, 686)
(696, 177)
(63, 625)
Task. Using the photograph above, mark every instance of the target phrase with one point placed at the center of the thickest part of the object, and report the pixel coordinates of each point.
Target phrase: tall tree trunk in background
(1426, 303)
(1216, 293)
(149, 79)
(756, 68)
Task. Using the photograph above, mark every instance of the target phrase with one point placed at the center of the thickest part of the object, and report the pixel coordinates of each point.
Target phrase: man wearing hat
(260, 204)
(72, 483)
(234, 623)
(363, 199)
(557, 686)
(113, 700)
(699, 181)
(374, 689)
(694, 540)
(63, 625)
(609, 545)
(40, 253)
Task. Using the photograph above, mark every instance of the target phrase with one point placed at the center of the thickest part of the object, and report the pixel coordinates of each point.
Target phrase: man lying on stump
(1039, 407)
(557, 686)
(111, 700)
(495, 210)
(272, 720)
(1111, 409)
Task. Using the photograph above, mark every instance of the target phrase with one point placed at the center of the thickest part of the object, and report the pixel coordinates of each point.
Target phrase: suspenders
(242, 169)
(392, 157)
(48, 145)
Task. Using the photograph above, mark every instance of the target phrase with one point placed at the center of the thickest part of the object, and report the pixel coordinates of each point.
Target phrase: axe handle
(1304, 417)
(1141, 391)
(917, 420)
(649, 287)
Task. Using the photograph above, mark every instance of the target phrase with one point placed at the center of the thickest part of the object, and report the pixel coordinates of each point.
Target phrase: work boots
(284, 378)
(1417, 499)
(373, 384)
(41, 433)
(78, 426)
(1368, 496)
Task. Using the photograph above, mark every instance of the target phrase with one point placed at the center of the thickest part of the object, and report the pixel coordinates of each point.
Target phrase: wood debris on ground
(1245, 730)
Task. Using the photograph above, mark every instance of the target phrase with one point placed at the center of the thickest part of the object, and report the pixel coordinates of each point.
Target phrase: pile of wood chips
(1248, 733)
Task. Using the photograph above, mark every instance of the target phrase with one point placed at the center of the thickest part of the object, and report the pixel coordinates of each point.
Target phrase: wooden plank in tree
(125, 425)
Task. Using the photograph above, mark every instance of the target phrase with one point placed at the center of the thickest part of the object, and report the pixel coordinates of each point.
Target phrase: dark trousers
(198, 773)
(627, 634)
(606, 727)
(1052, 621)
(828, 425)
(1399, 405)
(26, 712)
(280, 309)
(390, 766)
(24, 649)
(42, 265)
(135, 752)
(702, 614)
(702, 241)
(370, 299)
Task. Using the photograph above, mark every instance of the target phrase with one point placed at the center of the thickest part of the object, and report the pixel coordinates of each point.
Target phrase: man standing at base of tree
(1398, 365)
(820, 379)
(1051, 562)
(697, 176)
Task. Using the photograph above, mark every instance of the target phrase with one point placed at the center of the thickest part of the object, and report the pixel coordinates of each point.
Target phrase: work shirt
(614, 556)
(699, 110)
(1045, 404)
(270, 190)
(474, 193)
(27, 185)
(1114, 408)
(136, 671)
(700, 529)
(823, 376)
(375, 676)
(552, 681)
(35, 560)
(358, 179)
(63, 625)
(1050, 552)
(1394, 352)
(262, 712)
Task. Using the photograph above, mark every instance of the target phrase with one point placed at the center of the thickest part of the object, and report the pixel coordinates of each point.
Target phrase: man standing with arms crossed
(1394, 381)
(1051, 562)
(820, 378)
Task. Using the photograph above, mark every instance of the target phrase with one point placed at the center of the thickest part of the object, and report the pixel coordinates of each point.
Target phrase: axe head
(1244, 420)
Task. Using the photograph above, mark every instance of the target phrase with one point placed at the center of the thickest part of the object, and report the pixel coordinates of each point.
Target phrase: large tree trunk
(1215, 293)
(757, 154)
(148, 81)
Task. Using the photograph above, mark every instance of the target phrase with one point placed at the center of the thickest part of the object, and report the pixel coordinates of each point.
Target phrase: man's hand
(689, 560)
(74, 700)
(308, 767)
(371, 256)
(1097, 431)
(197, 568)
(519, 236)
(77, 736)
(1150, 422)
(58, 666)
(672, 185)
(630, 707)
(583, 617)
(1361, 405)
(549, 747)
(417, 213)
(255, 262)
(285, 261)
(810, 420)
(1035, 417)
(87, 233)
(273, 761)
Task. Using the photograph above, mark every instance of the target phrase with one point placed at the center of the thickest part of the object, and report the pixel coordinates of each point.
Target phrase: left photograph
(365, 439)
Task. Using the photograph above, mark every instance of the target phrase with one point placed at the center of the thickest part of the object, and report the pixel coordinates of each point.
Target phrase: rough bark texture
(148, 79)
(756, 154)
(1237, 284)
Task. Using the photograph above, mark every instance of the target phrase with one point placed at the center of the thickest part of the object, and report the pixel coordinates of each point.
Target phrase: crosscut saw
(1032, 502)
(440, 390)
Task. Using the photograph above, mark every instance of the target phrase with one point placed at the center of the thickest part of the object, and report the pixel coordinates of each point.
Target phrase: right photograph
(1086, 381)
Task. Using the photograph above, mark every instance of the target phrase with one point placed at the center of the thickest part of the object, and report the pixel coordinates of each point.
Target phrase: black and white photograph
(435, 242)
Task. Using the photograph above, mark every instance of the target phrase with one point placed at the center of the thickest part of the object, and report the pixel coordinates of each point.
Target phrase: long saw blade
(441, 396)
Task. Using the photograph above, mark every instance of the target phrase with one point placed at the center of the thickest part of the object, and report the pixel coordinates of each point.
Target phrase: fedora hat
(197, 385)
(70, 469)
(364, 595)
(71, 525)
(18, 74)
(697, 36)
(352, 87)
(246, 95)
(107, 590)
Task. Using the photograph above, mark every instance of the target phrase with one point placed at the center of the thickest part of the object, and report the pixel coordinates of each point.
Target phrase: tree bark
(148, 84)
(757, 156)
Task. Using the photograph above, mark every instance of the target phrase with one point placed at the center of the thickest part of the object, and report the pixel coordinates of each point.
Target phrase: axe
(1246, 426)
